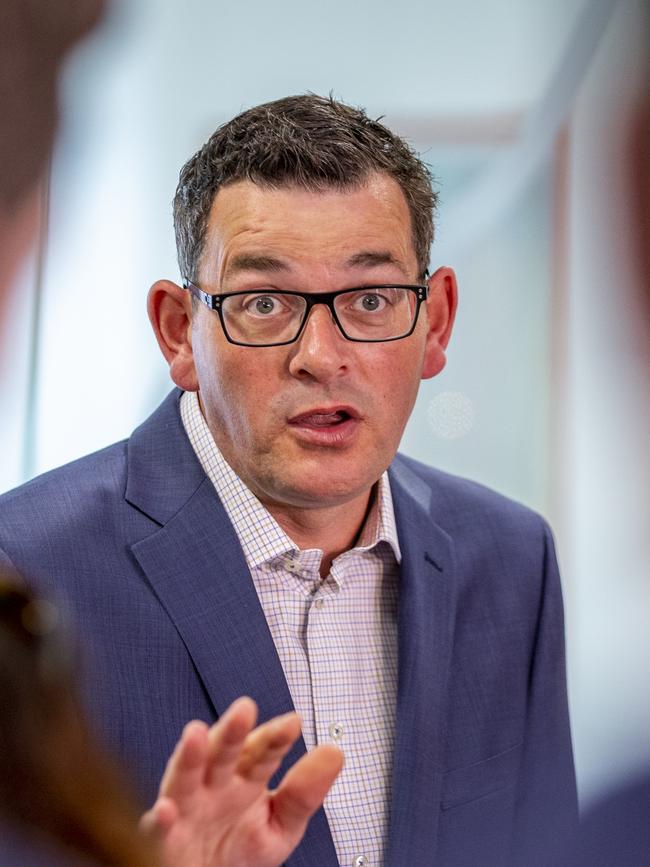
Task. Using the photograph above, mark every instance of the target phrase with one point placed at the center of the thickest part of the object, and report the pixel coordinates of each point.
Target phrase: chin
(321, 491)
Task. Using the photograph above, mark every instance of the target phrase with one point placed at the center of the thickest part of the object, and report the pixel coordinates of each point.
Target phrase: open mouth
(320, 419)
(330, 427)
(325, 417)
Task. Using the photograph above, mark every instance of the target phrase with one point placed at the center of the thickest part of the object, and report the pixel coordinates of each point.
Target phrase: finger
(157, 822)
(304, 787)
(265, 747)
(226, 739)
(186, 767)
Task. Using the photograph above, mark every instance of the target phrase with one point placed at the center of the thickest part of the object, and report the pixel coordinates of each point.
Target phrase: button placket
(321, 651)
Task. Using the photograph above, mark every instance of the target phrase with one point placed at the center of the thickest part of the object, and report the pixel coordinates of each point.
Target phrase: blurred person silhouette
(58, 792)
(35, 39)
(614, 832)
(42, 736)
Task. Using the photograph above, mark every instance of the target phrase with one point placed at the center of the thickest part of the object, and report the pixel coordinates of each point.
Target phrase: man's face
(314, 423)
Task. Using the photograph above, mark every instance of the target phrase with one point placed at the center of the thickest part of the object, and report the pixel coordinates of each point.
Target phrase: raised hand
(214, 808)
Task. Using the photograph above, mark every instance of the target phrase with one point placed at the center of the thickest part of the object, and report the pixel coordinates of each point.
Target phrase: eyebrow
(255, 262)
(369, 258)
(372, 258)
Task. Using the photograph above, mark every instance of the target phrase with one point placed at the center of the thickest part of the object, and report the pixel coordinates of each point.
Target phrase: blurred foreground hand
(214, 808)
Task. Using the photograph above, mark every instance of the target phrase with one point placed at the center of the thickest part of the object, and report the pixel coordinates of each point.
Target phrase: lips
(331, 427)
(323, 417)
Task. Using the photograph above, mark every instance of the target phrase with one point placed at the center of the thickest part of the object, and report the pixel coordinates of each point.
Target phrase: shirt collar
(261, 537)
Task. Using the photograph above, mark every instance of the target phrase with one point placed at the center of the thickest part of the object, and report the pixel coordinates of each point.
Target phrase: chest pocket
(469, 783)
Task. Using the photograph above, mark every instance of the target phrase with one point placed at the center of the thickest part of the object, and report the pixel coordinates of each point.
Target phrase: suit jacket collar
(162, 470)
(197, 569)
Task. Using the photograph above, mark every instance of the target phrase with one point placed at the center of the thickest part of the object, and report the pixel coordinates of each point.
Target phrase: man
(257, 535)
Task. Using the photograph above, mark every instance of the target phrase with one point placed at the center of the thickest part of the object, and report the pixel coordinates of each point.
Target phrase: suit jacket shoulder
(456, 503)
(502, 541)
(105, 500)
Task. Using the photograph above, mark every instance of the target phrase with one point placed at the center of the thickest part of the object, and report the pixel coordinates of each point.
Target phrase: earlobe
(170, 313)
(441, 311)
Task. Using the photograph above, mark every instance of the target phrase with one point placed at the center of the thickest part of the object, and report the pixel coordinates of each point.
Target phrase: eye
(262, 305)
(368, 301)
(371, 302)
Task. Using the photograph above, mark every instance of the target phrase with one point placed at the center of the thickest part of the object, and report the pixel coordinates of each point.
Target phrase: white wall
(486, 415)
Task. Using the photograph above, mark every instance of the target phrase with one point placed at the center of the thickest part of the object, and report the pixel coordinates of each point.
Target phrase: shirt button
(319, 603)
(361, 861)
(336, 733)
(292, 566)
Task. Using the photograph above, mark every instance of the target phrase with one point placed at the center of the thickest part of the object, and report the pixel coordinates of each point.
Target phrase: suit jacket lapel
(197, 569)
(426, 616)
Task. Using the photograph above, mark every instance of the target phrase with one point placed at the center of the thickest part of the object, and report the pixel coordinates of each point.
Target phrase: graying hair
(308, 141)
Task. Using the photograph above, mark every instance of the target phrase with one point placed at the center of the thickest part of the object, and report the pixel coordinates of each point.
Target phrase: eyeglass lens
(363, 314)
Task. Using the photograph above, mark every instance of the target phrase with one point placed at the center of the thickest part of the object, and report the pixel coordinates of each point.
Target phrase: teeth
(330, 418)
(323, 419)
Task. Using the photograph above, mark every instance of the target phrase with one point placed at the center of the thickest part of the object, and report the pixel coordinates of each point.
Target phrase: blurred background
(535, 119)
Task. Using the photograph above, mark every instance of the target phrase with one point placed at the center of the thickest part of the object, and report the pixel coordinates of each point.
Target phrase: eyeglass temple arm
(209, 300)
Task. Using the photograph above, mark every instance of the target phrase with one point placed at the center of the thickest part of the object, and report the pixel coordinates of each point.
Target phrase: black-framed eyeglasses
(367, 314)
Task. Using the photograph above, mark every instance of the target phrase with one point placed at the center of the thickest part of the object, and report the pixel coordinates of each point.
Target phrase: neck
(333, 529)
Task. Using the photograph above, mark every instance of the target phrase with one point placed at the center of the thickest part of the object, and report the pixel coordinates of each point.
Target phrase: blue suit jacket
(136, 545)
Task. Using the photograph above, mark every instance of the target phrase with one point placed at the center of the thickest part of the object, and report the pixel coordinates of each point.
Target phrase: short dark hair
(309, 141)
(35, 37)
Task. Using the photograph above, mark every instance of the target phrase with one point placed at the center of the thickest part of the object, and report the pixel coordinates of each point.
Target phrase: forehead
(326, 229)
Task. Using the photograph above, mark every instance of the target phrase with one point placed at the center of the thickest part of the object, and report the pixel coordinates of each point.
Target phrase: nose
(321, 351)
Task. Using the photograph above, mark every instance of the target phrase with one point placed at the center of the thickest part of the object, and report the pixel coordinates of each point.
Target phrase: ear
(170, 313)
(441, 311)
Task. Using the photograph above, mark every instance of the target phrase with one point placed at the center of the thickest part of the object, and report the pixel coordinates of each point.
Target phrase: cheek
(214, 366)
(397, 378)
(233, 392)
(397, 389)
